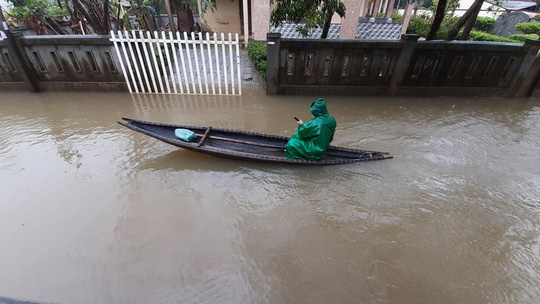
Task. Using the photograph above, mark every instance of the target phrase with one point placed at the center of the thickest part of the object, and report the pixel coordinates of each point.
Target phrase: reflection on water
(149, 102)
(93, 212)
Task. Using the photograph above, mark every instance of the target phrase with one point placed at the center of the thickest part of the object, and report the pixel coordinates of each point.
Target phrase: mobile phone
(296, 118)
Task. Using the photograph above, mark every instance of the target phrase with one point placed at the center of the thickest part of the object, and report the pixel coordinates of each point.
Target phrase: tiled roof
(288, 30)
(377, 28)
(368, 28)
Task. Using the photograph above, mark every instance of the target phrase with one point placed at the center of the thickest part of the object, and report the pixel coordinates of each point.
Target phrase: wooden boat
(243, 145)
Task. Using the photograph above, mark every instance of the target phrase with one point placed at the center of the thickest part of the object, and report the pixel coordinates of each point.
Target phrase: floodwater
(92, 212)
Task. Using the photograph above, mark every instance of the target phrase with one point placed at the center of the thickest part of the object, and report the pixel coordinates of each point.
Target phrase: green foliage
(397, 18)
(257, 54)
(448, 23)
(450, 6)
(421, 25)
(314, 13)
(481, 36)
(523, 38)
(419, 3)
(163, 55)
(484, 24)
(38, 8)
(529, 27)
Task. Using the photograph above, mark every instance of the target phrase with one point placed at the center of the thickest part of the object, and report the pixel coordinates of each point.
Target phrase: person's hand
(299, 122)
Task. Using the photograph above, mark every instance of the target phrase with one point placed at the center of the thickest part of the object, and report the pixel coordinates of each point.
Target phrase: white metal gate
(179, 64)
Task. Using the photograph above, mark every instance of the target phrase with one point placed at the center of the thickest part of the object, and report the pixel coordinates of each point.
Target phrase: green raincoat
(312, 137)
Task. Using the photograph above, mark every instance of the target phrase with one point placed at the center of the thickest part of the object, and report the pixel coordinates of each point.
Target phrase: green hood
(311, 139)
(318, 107)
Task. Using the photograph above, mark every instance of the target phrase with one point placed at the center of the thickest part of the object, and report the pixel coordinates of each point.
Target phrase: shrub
(257, 54)
(421, 25)
(164, 56)
(529, 27)
(36, 8)
(484, 24)
(481, 36)
(397, 18)
(448, 23)
(523, 38)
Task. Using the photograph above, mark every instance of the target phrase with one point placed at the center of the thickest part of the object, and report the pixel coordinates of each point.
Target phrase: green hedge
(529, 27)
(484, 24)
(523, 38)
(257, 54)
(481, 36)
(421, 25)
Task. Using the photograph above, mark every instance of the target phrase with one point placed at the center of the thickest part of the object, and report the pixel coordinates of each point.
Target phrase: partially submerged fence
(178, 63)
(140, 63)
(294, 66)
(402, 67)
(48, 63)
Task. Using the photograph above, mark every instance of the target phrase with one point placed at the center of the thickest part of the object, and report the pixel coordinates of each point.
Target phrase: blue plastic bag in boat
(184, 134)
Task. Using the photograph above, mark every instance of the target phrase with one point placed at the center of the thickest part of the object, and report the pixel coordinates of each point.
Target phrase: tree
(38, 15)
(315, 13)
(468, 18)
(169, 14)
(439, 16)
(93, 12)
(184, 14)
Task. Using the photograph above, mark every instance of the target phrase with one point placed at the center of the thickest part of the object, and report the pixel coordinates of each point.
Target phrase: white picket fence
(179, 64)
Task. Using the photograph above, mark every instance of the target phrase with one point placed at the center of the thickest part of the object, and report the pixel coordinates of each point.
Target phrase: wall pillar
(246, 21)
(527, 76)
(19, 58)
(376, 8)
(273, 41)
(349, 24)
(403, 62)
(260, 19)
(389, 8)
(406, 18)
(365, 10)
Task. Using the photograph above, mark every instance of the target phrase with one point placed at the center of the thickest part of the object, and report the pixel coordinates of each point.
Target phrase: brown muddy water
(92, 212)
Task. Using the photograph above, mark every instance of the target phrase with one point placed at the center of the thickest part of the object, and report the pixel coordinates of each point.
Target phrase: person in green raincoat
(313, 137)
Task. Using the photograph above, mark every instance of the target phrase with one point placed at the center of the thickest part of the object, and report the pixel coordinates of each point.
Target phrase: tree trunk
(470, 24)
(169, 13)
(326, 26)
(455, 31)
(54, 26)
(439, 16)
(146, 19)
(89, 17)
(119, 21)
(106, 20)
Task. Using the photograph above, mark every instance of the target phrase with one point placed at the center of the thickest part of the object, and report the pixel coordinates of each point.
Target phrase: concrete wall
(404, 67)
(62, 63)
(224, 19)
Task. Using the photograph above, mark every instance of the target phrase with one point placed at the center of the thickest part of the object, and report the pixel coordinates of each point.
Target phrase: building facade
(251, 18)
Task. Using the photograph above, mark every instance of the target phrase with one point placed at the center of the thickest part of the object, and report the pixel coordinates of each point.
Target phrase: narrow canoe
(246, 146)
